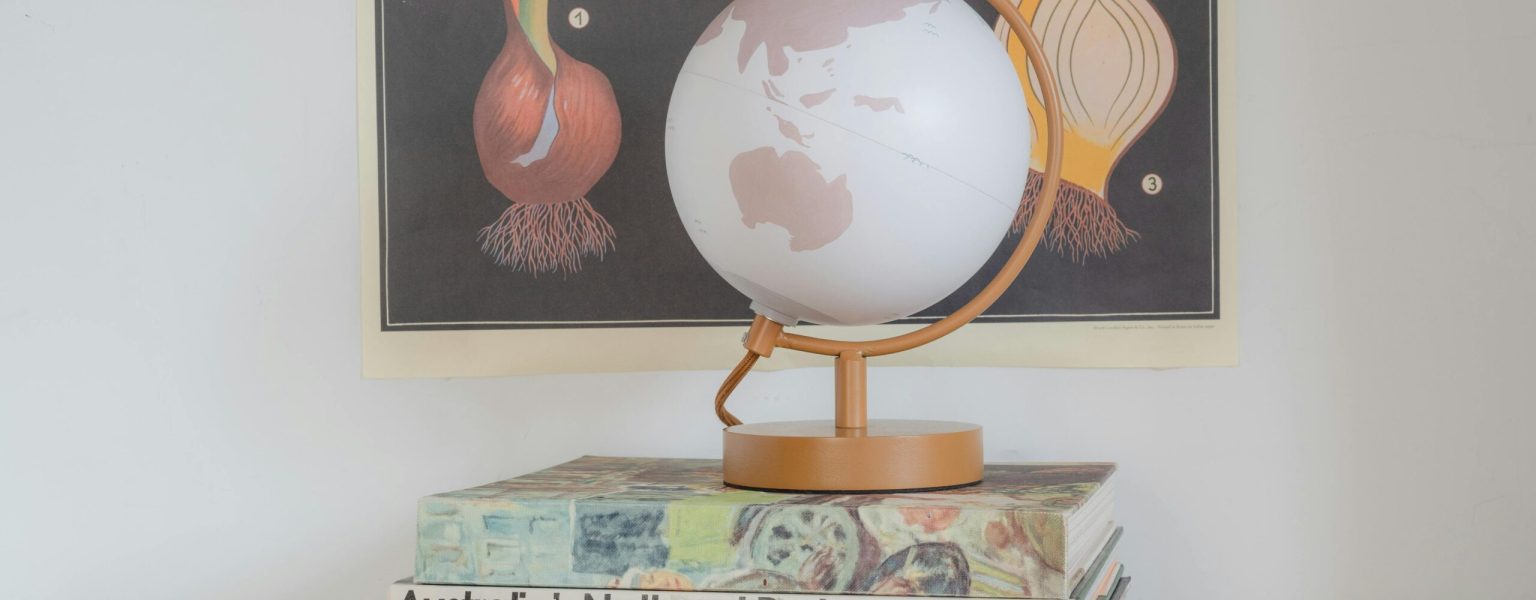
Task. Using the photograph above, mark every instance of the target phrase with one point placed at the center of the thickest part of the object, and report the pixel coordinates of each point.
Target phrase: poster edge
(490, 353)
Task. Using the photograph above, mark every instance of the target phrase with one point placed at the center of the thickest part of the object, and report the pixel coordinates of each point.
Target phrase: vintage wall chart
(571, 257)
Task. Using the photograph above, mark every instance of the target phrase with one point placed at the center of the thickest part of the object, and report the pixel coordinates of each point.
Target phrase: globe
(849, 162)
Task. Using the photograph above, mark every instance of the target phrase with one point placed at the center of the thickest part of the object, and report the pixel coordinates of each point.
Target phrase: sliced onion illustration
(1115, 65)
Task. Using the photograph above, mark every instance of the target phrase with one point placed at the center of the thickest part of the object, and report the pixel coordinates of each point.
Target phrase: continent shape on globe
(789, 190)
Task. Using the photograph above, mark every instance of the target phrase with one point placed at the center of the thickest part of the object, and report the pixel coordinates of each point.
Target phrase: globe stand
(852, 454)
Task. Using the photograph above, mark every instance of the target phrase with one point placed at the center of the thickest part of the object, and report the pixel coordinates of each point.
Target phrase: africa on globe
(848, 162)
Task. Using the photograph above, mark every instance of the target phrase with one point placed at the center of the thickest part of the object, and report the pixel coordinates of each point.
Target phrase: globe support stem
(852, 401)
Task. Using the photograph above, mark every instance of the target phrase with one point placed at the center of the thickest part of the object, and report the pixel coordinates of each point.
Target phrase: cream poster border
(477, 353)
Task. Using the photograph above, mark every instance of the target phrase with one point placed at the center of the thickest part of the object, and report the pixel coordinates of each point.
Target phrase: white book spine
(405, 589)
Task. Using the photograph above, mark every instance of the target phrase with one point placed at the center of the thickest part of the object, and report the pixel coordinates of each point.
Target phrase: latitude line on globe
(925, 164)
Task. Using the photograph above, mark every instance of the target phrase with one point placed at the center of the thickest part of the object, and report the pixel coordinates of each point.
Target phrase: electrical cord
(729, 386)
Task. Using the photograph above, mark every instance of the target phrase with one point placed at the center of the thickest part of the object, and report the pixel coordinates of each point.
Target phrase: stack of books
(666, 529)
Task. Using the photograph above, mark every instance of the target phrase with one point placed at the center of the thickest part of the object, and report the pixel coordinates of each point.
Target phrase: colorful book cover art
(668, 524)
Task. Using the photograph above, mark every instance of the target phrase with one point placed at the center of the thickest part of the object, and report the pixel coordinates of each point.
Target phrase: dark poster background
(433, 54)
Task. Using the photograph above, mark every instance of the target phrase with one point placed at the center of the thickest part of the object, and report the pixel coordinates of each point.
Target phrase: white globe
(847, 162)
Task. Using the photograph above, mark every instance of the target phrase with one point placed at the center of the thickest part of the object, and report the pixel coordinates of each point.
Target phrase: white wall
(180, 405)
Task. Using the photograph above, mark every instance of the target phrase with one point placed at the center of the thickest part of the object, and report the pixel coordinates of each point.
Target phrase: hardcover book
(1100, 578)
(1027, 531)
(408, 589)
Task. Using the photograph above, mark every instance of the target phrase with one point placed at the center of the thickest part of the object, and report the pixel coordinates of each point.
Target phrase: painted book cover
(669, 524)
(517, 215)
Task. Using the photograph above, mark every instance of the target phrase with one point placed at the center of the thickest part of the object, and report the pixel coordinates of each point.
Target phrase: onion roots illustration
(547, 128)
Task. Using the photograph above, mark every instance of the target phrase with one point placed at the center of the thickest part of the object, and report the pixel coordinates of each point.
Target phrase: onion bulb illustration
(1115, 65)
(547, 128)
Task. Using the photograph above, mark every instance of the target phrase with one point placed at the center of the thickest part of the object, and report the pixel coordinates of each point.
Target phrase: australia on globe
(849, 162)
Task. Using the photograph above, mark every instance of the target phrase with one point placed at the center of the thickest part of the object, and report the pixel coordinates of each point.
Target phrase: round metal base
(887, 456)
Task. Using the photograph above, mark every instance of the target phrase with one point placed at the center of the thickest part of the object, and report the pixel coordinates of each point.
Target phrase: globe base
(886, 456)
